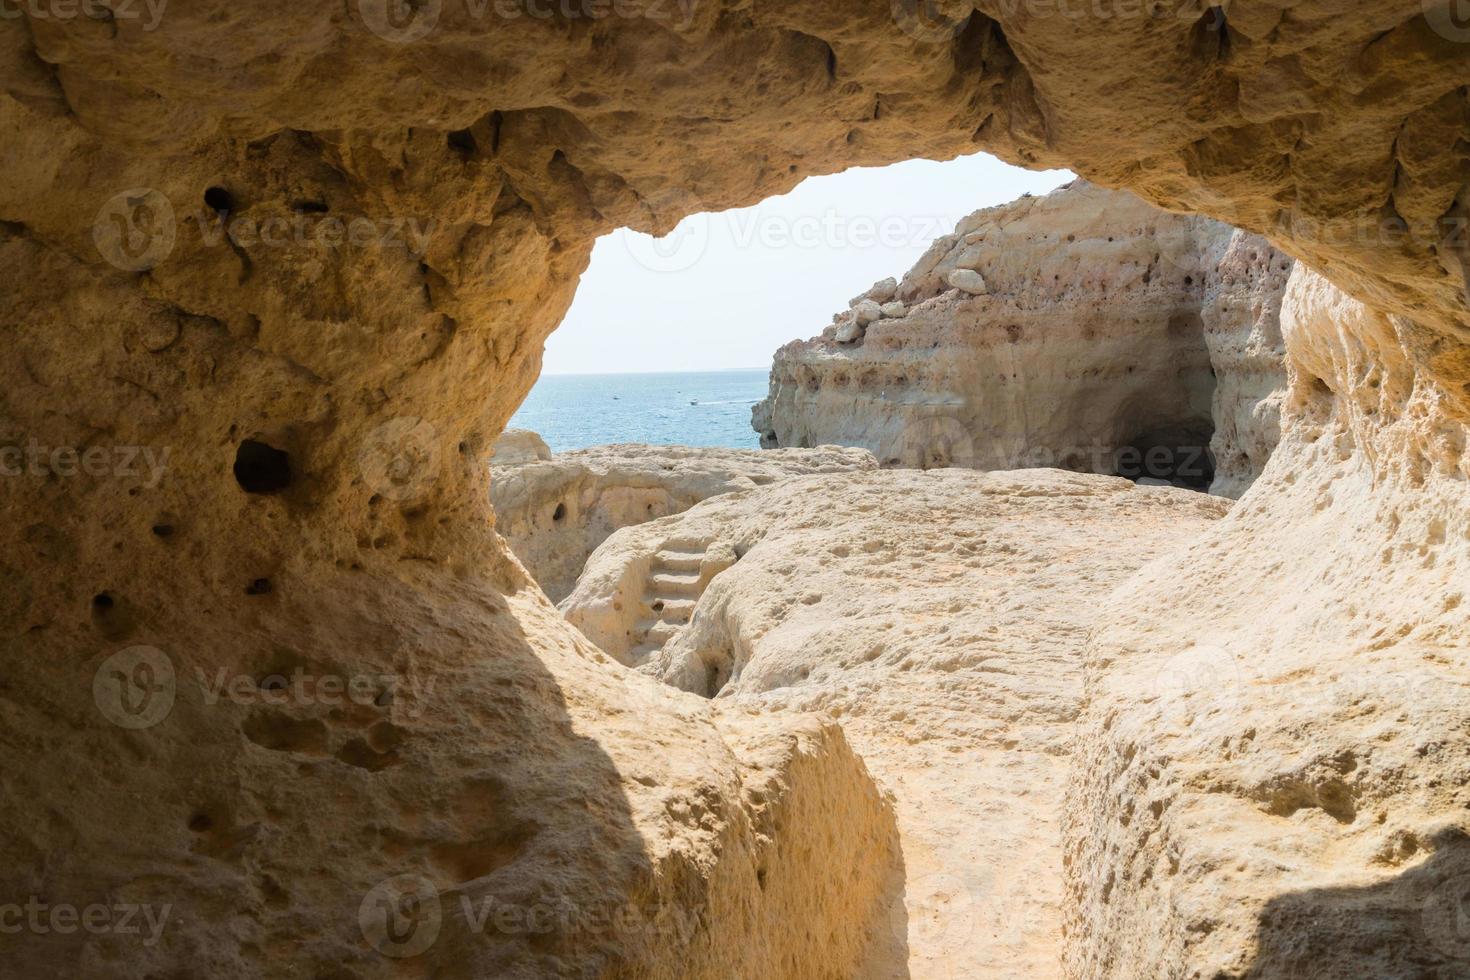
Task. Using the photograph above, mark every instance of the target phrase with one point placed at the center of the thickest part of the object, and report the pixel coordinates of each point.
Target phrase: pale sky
(725, 290)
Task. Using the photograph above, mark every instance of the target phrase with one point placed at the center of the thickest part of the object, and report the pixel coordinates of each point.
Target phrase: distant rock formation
(517, 446)
(1085, 330)
(554, 510)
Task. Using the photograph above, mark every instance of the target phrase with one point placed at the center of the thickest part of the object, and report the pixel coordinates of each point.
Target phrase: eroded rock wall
(1084, 329)
(1273, 787)
(1245, 279)
(555, 510)
(383, 362)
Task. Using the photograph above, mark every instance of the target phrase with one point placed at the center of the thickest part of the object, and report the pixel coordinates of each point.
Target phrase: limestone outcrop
(1230, 812)
(555, 510)
(941, 617)
(1084, 329)
(304, 257)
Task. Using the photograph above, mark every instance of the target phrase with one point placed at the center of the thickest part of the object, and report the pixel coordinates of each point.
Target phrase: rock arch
(345, 235)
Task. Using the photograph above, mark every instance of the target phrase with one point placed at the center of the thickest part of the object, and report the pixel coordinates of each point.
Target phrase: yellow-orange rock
(411, 200)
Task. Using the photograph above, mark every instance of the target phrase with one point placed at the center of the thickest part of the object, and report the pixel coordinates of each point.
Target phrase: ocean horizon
(686, 408)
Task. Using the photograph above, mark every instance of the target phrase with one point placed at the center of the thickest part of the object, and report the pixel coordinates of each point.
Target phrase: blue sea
(705, 408)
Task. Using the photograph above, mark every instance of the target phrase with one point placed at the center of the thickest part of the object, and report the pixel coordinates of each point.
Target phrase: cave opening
(1016, 680)
(1177, 455)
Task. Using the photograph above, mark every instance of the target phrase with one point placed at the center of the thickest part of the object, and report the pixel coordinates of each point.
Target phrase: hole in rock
(717, 674)
(280, 732)
(462, 141)
(261, 468)
(111, 616)
(260, 586)
(560, 513)
(163, 530)
(219, 200)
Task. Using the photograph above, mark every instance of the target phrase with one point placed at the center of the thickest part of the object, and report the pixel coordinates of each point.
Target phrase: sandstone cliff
(1245, 279)
(1084, 329)
(1242, 802)
(555, 510)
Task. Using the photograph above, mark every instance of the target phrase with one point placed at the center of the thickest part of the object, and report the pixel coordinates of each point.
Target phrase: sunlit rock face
(309, 255)
(1245, 279)
(941, 616)
(1084, 329)
(1258, 784)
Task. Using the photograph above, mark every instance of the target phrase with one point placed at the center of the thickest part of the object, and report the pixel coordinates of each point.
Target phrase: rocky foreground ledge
(1127, 731)
(941, 617)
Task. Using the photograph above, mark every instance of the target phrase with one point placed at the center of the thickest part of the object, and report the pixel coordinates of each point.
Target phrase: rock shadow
(888, 955)
(1413, 927)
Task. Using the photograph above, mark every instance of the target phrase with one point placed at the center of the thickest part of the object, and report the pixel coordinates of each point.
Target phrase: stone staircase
(674, 586)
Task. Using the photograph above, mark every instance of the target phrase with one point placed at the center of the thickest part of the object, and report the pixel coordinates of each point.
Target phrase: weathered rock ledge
(1271, 778)
(554, 510)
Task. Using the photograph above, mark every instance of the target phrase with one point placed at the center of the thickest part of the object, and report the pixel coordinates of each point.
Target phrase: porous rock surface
(359, 379)
(1292, 801)
(555, 510)
(941, 617)
(1084, 329)
(1245, 279)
